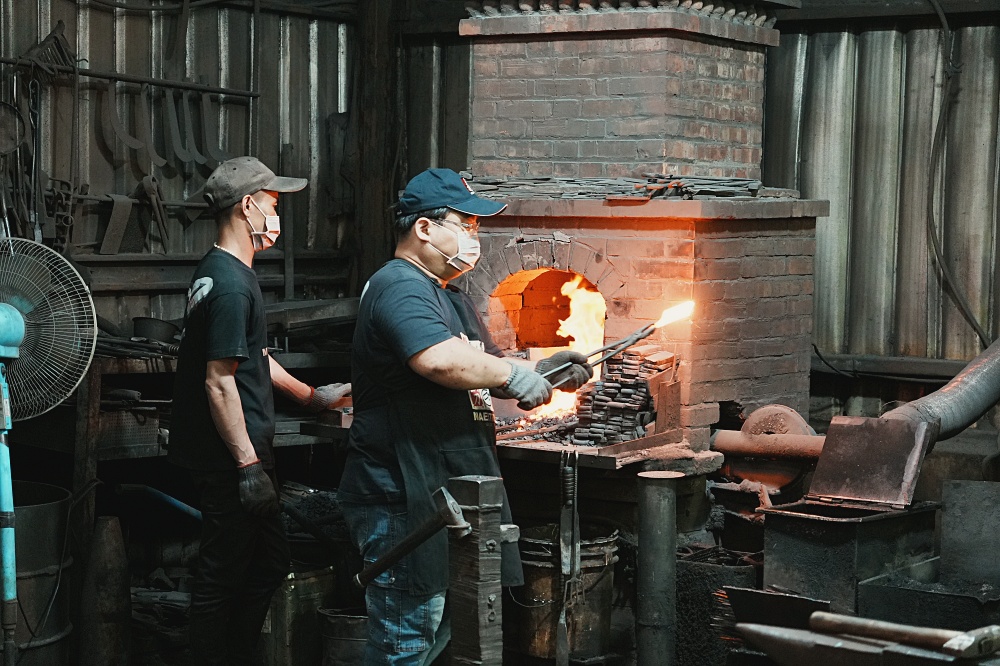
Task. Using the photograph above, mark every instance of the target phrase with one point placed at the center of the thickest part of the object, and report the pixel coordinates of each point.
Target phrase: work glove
(257, 492)
(573, 377)
(527, 386)
(326, 397)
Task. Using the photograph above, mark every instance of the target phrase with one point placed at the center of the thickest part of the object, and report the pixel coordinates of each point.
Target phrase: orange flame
(676, 313)
(585, 328)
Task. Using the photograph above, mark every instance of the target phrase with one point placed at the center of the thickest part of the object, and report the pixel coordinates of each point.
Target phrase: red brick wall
(752, 281)
(616, 104)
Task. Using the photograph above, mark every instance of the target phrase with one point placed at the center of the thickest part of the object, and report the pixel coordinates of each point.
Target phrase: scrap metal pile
(652, 185)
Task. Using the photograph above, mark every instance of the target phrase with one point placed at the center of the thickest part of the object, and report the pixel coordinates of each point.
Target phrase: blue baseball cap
(443, 188)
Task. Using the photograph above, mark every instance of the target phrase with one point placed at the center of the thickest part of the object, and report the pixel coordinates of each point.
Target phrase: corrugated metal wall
(297, 125)
(849, 117)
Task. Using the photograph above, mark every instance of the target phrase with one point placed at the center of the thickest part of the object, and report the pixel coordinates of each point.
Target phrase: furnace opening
(537, 306)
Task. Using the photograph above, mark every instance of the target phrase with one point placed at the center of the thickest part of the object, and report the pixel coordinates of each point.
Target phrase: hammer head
(976, 643)
(450, 512)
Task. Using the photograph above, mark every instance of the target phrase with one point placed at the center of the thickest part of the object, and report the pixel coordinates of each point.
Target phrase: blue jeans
(403, 629)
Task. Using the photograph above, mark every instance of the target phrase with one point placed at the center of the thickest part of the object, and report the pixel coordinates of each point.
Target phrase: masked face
(266, 238)
(468, 249)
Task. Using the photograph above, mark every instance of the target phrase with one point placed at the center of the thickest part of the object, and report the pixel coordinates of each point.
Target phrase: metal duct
(960, 402)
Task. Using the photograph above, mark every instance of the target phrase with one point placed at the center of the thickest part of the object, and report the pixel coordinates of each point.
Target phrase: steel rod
(129, 78)
(615, 347)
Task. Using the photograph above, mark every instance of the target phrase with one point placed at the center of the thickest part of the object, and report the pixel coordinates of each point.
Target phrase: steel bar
(656, 606)
(130, 78)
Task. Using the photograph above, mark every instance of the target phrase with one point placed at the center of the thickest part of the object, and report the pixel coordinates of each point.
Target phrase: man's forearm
(297, 390)
(227, 414)
(456, 364)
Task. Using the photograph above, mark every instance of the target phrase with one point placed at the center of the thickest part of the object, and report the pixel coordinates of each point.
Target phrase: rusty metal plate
(871, 460)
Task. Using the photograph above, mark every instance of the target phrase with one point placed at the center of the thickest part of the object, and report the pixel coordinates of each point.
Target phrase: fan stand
(8, 612)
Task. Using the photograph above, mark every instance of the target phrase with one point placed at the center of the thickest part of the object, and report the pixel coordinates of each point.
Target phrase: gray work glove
(257, 492)
(527, 386)
(325, 397)
(572, 377)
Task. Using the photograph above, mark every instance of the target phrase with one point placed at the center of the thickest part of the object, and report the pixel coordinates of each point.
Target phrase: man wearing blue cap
(423, 370)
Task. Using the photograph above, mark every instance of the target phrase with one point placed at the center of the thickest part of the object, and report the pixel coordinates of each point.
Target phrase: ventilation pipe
(963, 400)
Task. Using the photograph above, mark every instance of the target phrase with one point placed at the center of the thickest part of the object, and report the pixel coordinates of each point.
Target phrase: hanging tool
(192, 145)
(148, 152)
(209, 130)
(569, 550)
(174, 128)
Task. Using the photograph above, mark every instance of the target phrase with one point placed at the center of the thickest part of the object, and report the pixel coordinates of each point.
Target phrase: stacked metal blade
(617, 408)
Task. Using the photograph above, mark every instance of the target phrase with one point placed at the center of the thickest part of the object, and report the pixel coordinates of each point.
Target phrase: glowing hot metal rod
(670, 315)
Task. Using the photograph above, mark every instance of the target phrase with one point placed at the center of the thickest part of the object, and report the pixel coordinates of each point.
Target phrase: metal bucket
(533, 616)
(40, 515)
(345, 632)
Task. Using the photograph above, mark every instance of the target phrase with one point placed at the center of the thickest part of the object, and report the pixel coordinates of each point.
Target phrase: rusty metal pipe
(656, 576)
(793, 447)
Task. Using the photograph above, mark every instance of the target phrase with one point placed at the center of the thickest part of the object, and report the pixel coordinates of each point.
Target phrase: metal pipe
(129, 78)
(162, 496)
(8, 614)
(960, 402)
(795, 447)
(656, 579)
(901, 366)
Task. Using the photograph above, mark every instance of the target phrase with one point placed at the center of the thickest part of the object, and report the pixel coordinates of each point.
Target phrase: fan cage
(60, 326)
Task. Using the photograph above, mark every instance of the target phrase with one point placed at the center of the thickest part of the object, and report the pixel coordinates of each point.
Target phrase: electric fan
(48, 331)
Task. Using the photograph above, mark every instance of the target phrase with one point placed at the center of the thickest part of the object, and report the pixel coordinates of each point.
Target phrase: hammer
(976, 643)
(449, 514)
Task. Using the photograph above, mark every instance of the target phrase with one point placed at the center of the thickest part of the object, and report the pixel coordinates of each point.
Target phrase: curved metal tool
(192, 146)
(173, 127)
(208, 128)
(111, 114)
(148, 152)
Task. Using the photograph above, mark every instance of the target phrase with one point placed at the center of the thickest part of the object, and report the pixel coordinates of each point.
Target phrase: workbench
(91, 435)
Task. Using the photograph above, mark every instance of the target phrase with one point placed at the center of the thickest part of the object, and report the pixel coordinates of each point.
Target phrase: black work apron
(451, 433)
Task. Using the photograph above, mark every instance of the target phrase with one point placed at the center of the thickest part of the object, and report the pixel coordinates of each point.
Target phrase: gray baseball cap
(234, 179)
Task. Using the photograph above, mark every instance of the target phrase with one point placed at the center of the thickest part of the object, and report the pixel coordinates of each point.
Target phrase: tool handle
(449, 514)
(832, 623)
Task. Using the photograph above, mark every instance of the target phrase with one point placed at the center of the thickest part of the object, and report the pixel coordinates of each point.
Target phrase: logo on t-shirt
(198, 291)
(480, 398)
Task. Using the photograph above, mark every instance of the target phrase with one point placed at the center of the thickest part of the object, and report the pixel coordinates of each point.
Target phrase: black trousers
(242, 560)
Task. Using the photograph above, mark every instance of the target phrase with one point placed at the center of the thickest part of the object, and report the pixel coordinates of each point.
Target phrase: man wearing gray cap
(223, 417)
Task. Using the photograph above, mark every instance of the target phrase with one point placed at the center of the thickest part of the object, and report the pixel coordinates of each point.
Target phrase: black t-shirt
(225, 319)
(402, 312)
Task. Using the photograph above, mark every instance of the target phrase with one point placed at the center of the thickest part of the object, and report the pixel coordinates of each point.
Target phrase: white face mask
(468, 250)
(267, 237)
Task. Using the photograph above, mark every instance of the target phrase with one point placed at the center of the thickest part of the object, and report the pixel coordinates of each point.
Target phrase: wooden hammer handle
(831, 623)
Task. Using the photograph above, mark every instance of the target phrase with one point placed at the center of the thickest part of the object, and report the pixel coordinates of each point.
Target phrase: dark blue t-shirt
(225, 319)
(403, 312)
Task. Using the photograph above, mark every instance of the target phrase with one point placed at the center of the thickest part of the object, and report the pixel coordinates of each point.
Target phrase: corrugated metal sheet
(850, 118)
(296, 63)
